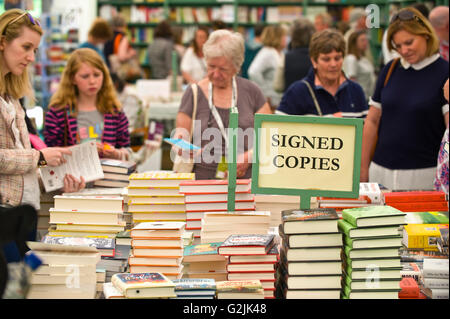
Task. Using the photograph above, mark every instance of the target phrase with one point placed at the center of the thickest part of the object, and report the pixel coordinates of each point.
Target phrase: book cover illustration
(161, 175)
(202, 249)
(241, 286)
(98, 242)
(426, 218)
(248, 240)
(309, 214)
(186, 284)
(143, 280)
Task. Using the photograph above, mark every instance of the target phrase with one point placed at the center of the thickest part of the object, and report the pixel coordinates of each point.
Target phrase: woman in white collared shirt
(408, 114)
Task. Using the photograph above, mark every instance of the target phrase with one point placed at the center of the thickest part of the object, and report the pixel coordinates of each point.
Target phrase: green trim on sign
(232, 157)
(306, 194)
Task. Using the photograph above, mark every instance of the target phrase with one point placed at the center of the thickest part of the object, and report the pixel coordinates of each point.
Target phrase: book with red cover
(251, 268)
(414, 196)
(213, 186)
(246, 244)
(421, 206)
(219, 207)
(409, 288)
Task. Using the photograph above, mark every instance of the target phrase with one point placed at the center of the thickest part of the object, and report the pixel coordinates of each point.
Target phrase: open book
(84, 161)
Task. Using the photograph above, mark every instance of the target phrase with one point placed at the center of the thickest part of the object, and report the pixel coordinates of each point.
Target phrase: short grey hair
(356, 14)
(224, 43)
(301, 33)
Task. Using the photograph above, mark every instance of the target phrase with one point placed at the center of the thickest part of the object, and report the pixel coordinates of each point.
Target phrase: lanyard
(214, 111)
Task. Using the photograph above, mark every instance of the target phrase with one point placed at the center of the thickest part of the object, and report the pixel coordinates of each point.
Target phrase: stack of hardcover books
(216, 227)
(372, 262)
(141, 286)
(195, 288)
(67, 272)
(202, 261)
(370, 194)
(310, 258)
(154, 196)
(252, 257)
(158, 247)
(435, 278)
(87, 216)
(201, 196)
(239, 289)
(116, 173)
(417, 201)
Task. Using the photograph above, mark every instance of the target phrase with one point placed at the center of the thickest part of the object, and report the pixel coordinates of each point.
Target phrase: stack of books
(86, 216)
(239, 289)
(372, 264)
(370, 194)
(67, 272)
(275, 204)
(154, 196)
(216, 227)
(202, 261)
(423, 236)
(157, 247)
(310, 258)
(252, 257)
(195, 288)
(141, 286)
(115, 264)
(410, 289)
(417, 201)
(202, 196)
(43, 222)
(116, 173)
(435, 278)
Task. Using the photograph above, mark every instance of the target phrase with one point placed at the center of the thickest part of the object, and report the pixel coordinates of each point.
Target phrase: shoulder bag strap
(313, 95)
(194, 111)
(391, 68)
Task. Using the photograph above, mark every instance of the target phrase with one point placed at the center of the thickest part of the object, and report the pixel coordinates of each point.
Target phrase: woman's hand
(243, 163)
(108, 151)
(54, 155)
(72, 184)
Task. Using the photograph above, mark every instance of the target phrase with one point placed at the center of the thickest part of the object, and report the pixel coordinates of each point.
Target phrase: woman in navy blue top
(408, 114)
(335, 94)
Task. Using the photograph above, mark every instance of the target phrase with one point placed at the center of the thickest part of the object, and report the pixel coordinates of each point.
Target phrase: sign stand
(307, 156)
(232, 157)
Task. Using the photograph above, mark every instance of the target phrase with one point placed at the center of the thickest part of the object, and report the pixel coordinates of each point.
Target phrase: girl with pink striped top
(85, 107)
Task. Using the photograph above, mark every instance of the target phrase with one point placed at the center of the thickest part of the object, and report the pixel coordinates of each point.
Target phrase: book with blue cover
(185, 145)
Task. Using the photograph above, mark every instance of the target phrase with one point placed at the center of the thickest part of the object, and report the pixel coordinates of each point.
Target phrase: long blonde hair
(15, 86)
(67, 93)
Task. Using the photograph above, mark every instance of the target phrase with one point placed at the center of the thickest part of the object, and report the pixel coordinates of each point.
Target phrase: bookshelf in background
(54, 51)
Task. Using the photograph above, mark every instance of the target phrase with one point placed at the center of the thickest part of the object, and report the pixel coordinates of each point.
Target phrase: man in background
(439, 20)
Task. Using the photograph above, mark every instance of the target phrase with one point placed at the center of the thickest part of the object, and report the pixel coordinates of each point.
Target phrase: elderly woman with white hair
(217, 93)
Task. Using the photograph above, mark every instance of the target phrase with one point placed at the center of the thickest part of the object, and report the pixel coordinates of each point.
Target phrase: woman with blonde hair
(264, 66)
(85, 107)
(20, 35)
(408, 111)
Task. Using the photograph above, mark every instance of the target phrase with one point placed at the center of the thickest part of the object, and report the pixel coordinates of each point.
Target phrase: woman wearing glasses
(408, 112)
(20, 37)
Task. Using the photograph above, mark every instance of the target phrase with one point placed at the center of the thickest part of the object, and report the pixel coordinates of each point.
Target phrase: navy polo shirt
(412, 121)
(349, 99)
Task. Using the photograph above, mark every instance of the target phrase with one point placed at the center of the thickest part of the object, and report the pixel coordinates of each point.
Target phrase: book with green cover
(349, 293)
(361, 284)
(374, 242)
(358, 232)
(371, 252)
(373, 216)
(373, 273)
(427, 218)
(373, 262)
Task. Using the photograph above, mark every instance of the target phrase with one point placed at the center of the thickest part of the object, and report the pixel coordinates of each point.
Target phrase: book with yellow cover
(159, 179)
(422, 236)
(144, 285)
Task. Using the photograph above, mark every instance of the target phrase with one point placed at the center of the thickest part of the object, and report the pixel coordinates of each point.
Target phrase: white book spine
(436, 283)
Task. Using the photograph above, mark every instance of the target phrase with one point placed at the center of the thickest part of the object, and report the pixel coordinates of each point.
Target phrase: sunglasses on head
(406, 15)
(30, 17)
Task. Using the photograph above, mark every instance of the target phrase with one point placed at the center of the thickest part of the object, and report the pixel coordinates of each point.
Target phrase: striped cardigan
(115, 129)
(14, 163)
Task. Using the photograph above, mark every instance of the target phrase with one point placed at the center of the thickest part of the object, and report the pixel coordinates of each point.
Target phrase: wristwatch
(42, 162)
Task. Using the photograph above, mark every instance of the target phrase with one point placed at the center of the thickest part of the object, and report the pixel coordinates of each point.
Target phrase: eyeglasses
(30, 17)
(406, 15)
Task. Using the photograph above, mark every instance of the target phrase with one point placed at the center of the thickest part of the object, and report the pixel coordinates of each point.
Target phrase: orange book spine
(421, 206)
(409, 288)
